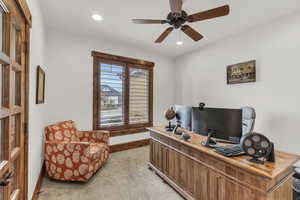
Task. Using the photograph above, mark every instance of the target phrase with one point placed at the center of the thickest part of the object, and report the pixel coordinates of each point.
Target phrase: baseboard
(39, 183)
(129, 145)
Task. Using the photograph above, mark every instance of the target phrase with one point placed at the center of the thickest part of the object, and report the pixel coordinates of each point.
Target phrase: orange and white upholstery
(72, 155)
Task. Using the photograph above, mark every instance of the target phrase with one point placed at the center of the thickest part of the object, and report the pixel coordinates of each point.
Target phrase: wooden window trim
(122, 59)
(129, 63)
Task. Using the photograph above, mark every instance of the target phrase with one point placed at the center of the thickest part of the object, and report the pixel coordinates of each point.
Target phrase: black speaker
(259, 147)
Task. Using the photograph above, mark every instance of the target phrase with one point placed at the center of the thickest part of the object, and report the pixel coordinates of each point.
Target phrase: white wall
(36, 112)
(275, 95)
(200, 76)
(70, 79)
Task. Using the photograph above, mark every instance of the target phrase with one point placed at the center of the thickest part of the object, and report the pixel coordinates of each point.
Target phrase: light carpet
(125, 177)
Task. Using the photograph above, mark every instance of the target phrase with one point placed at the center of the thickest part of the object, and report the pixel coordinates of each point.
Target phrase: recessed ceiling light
(178, 43)
(97, 17)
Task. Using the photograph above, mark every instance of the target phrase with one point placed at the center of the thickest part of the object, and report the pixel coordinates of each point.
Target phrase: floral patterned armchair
(72, 155)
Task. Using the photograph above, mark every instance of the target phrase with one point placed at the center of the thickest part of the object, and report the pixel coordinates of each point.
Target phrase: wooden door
(213, 185)
(222, 188)
(159, 156)
(201, 175)
(13, 103)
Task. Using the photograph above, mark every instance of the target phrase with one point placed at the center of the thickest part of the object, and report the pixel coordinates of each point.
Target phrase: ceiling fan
(178, 18)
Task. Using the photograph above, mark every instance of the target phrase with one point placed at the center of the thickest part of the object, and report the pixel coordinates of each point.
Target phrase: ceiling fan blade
(149, 21)
(176, 6)
(192, 33)
(209, 14)
(164, 35)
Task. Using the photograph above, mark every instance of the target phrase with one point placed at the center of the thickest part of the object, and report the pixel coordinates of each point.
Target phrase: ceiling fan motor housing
(176, 20)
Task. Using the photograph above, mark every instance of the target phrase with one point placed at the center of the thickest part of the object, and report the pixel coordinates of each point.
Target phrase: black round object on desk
(186, 136)
(257, 146)
(176, 131)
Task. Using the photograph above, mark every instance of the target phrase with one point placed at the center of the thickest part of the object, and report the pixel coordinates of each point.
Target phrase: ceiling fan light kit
(97, 17)
(179, 43)
(178, 18)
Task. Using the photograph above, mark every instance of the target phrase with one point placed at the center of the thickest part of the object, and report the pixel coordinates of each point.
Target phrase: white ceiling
(74, 16)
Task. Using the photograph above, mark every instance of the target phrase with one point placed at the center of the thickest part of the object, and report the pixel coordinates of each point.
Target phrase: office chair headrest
(248, 113)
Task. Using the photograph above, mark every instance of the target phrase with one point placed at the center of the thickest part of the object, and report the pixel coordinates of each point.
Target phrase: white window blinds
(138, 96)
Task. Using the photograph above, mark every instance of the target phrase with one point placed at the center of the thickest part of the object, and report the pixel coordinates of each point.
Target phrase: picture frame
(244, 72)
(40, 86)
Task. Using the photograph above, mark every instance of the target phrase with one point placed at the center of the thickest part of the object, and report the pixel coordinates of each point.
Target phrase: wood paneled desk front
(197, 172)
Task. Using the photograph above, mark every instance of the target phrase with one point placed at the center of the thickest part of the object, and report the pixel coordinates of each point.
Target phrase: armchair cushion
(94, 136)
(64, 131)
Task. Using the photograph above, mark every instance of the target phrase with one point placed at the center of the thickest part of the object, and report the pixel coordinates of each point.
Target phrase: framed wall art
(242, 72)
(40, 86)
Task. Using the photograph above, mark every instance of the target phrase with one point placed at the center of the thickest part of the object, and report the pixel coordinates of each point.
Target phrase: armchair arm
(61, 157)
(94, 136)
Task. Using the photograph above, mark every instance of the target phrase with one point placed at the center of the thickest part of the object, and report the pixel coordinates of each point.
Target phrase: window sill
(121, 131)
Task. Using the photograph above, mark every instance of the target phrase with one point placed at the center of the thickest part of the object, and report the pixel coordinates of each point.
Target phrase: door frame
(26, 118)
(23, 7)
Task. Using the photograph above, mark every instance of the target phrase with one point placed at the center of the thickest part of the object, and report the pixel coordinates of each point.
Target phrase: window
(111, 92)
(123, 93)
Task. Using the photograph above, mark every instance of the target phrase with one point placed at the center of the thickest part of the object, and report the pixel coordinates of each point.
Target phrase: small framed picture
(242, 72)
(40, 86)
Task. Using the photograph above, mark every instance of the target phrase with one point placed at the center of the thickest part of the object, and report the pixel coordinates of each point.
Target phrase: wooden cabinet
(188, 174)
(201, 180)
(222, 188)
(214, 184)
(201, 174)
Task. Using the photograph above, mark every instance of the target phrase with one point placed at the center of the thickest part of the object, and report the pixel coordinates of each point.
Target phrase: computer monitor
(226, 123)
(184, 116)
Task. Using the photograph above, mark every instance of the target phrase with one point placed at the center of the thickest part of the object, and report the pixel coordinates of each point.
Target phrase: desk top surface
(270, 170)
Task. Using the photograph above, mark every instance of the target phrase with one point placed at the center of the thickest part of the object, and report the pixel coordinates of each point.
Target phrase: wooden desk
(197, 172)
